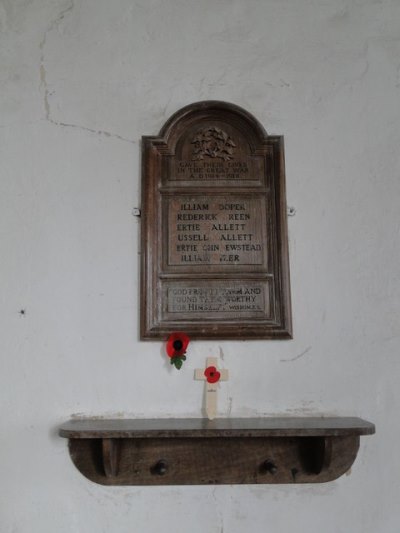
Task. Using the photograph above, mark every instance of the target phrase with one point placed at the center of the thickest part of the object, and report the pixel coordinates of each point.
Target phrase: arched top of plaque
(214, 232)
(213, 110)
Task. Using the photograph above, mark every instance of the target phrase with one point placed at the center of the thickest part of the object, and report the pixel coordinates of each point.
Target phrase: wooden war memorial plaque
(214, 228)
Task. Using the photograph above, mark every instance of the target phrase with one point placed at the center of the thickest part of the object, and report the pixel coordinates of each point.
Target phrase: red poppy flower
(177, 344)
(212, 374)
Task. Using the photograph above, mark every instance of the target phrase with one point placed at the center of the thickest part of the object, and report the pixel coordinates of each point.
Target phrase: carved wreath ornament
(212, 142)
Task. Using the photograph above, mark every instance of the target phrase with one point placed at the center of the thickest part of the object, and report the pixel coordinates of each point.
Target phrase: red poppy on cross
(212, 376)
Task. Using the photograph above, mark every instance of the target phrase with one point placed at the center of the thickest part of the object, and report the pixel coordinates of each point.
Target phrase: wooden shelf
(223, 451)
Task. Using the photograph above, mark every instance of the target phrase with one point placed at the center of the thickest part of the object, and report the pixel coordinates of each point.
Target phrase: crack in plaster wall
(54, 24)
(297, 356)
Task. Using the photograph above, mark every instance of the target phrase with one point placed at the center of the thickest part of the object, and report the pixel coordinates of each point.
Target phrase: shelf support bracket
(111, 449)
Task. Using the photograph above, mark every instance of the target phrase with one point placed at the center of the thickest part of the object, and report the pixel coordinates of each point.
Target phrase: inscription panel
(212, 170)
(207, 299)
(216, 230)
(214, 153)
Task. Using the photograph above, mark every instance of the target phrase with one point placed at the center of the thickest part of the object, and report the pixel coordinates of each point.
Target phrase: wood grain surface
(221, 451)
(214, 243)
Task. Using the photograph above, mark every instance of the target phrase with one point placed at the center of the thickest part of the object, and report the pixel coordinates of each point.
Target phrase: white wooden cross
(212, 376)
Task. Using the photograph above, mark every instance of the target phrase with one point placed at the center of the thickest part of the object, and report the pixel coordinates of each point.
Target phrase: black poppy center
(178, 344)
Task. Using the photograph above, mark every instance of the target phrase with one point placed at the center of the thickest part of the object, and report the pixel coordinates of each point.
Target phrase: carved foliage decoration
(213, 142)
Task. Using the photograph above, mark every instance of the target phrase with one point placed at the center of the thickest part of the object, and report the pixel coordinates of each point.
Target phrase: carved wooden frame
(262, 188)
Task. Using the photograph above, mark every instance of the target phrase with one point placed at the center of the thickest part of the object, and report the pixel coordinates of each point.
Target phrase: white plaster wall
(80, 82)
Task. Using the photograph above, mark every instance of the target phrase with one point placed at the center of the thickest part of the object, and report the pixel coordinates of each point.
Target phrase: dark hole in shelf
(314, 454)
(97, 455)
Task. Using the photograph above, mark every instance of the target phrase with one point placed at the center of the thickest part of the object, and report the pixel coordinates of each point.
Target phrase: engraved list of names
(216, 230)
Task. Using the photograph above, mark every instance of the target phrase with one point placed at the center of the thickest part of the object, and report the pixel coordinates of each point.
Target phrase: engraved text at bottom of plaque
(211, 299)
